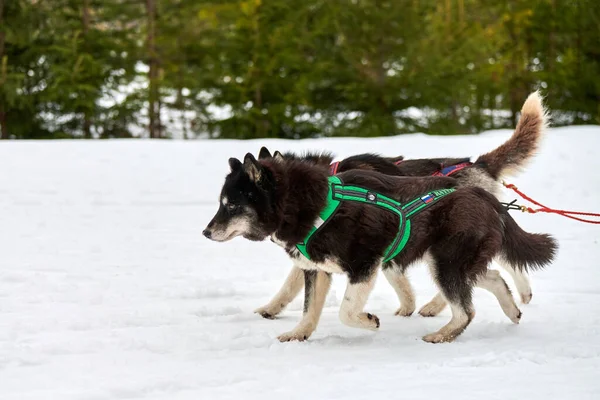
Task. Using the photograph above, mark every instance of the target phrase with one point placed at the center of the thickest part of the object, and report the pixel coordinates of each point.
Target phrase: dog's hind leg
(290, 289)
(459, 295)
(457, 262)
(315, 291)
(493, 282)
(452, 263)
(461, 318)
(352, 308)
(438, 303)
(520, 278)
(403, 288)
(434, 307)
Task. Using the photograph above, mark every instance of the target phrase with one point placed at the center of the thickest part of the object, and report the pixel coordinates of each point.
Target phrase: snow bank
(108, 289)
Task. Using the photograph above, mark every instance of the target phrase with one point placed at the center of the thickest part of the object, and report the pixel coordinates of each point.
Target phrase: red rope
(543, 208)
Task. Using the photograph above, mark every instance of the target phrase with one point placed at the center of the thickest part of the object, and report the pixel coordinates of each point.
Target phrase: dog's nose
(207, 233)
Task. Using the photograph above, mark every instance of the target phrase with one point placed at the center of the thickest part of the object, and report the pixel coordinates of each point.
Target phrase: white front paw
(267, 312)
(405, 311)
(299, 334)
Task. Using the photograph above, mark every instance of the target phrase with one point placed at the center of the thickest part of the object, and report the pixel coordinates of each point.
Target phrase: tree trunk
(579, 53)
(455, 123)
(85, 22)
(184, 133)
(182, 108)
(3, 125)
(157, 114)
(153, 104)
(181, 104)
(513, 69)
(87, 125)
(85, 16)
(261, 123)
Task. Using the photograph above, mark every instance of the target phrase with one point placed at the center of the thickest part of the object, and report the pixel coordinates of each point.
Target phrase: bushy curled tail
(526, 251)
(511, 156)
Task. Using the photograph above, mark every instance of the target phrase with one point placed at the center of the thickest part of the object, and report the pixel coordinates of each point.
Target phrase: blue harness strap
(449, 170)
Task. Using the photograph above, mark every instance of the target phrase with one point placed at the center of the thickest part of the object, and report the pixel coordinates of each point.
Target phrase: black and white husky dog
(486, 172)
(458, 235)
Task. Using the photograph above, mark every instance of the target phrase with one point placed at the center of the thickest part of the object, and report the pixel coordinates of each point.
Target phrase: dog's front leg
(290, 289)
(316, 286)
(399, 281)
(352, 308)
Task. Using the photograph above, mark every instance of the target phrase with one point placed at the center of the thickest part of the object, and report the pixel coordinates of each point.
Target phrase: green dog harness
(339, 193)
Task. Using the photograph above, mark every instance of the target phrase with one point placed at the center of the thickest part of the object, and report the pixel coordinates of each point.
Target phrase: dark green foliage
(291, 68)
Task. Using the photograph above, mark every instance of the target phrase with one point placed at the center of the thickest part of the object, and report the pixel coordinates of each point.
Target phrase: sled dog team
(367, 213)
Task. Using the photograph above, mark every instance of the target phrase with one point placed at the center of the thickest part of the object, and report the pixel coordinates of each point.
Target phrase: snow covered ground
(109, 291)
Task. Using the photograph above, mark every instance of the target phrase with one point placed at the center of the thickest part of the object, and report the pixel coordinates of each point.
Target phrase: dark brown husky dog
(458, 231)
(486, 172)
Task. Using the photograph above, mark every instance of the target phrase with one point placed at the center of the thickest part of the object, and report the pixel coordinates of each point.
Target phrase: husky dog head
(246, 204)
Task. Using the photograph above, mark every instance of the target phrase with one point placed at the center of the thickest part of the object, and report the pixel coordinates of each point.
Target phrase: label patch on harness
(427, 199)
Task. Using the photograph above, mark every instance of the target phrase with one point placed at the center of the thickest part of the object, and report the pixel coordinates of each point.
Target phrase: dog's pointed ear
(252, 168)
(395, 160)
(234, 164)
(264, 153)
(278, 156)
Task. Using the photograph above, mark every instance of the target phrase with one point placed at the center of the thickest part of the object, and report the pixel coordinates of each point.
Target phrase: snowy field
(108, 290)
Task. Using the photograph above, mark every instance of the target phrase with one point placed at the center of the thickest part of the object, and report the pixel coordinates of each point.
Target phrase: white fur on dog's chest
(330, 265)
(278, 242)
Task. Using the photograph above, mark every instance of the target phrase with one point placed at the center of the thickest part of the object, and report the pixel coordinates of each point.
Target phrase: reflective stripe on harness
(338, 193)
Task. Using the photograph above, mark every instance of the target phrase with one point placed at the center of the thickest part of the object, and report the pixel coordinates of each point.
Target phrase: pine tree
(154, 124)
(22, 70)
(3, 73)
(291, 68)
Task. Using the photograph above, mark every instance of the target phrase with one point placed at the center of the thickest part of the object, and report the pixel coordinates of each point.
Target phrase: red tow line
(543, 208)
